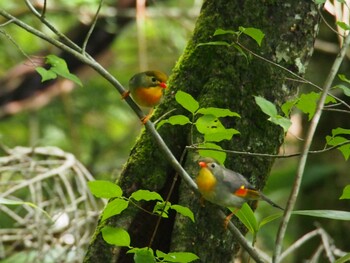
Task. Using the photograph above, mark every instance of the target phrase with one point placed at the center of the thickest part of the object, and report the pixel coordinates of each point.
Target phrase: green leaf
(307, 103)
(343, 259)
(45, 74)
(343, 25)
(346, 193)
(5, 201)
(214, 43)
(185, 211)
(59, 66)
(270, 218)
(343, 78)
(219, 136)
(114, 207)
(104, 189)
(213, 130)
(218, 155)
(162, 209)
(186, 101)
(146, 195)
(336, 140)
(144, 256)
(340, 130)
(266, 106)
(209, 124)
(175, 120)
(246, 215)
(218, 112)
(254, 33)
(287, 107)
(281, 121)
(330, 214)
(220, 31)
(320, 1)
(345, 89)
(182, 257)
(116, 236)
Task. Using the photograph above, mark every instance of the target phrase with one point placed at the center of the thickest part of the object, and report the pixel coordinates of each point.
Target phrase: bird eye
(154, 79)
(212, 165)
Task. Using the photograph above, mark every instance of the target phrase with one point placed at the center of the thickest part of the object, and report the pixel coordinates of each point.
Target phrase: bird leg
(125, 94)
(228, 218)
(147, 117)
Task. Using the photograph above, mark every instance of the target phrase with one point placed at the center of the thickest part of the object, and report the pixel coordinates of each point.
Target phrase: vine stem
(305, 151)
(88, 60)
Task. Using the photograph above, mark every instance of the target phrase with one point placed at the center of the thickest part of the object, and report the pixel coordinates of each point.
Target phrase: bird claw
(125, 94)
(228, 218)
(145, 119)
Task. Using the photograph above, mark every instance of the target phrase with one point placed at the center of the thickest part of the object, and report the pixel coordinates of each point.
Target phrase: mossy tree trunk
(216, 76)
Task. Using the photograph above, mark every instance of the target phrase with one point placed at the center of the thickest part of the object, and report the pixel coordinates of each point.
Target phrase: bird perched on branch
(225, 187)
(146, 88)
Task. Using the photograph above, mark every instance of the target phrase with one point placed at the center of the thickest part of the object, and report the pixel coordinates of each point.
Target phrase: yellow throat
(206, 181)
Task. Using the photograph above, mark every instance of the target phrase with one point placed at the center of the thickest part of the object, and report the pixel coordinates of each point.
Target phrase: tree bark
(217, 76)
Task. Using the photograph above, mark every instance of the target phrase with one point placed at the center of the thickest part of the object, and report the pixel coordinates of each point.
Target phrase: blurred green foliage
(92, 121)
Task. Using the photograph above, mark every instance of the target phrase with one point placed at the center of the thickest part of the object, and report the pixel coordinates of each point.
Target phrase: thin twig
(298, 78)
(279, 156)
(306, 147)
(166, 202)
(297, 244)
(17, 46)
(42, 18)
(86, 40)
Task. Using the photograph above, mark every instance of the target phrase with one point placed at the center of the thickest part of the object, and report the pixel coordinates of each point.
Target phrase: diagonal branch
(149, 125)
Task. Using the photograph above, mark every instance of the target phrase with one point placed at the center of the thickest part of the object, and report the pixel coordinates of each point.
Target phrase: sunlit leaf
(343, 259)
(219, 136)
(175, 120)
(185, 211)
(254, 33)
(144, 256)
(266, 106)
(116, 236)
(246, 215)
(182, 257)
(346, 193)
(146, 195)
(218, 155)
(281, 121)
(269, 219)
(287, 107)
(221, 31)
(214, 43)
(218, 112)
(340, 130)
(343, 78)
(187, 101)
(330, 214)
(337, 140)
(104, 189)
(46, 74)
(162, 209)
(343, 25)
(114, 207)
(59, 67)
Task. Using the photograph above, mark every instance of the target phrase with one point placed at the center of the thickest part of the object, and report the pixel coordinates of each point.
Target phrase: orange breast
(148, 97)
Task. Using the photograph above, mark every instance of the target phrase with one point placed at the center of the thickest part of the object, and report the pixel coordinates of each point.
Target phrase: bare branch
(306, 148)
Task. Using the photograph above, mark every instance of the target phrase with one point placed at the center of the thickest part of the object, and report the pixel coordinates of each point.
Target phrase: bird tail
(266, 199)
